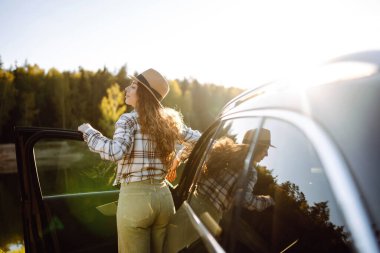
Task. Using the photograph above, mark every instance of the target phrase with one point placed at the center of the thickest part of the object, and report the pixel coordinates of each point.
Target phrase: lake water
(11, 234)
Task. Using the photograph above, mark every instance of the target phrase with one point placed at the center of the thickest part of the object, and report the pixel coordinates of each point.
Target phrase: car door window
(67, 167)
(180, 232)
(75, 187)
(305, 216)
(219, 174)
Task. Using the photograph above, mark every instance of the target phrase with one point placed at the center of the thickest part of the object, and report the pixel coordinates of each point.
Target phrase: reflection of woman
(143, 146)
(222, 171)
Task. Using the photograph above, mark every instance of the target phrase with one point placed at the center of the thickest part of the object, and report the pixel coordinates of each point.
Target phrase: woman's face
(261, 153)
(131, 94)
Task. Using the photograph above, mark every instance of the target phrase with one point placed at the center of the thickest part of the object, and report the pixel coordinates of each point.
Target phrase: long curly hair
(225, 154)
(163, 125)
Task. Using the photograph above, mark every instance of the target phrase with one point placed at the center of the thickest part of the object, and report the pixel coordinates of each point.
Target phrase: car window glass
(218, 175)
(67, 166)
(181, 234)
(305, 216)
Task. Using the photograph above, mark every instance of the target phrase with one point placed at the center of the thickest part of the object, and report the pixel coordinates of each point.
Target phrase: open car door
(62, 183)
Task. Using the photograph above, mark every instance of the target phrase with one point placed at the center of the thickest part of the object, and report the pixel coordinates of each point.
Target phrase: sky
(231, 43)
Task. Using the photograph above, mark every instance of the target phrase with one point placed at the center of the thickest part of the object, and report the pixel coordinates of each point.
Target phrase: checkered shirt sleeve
(256, 202)
(116, 148)
(220, 191)
(189, 136)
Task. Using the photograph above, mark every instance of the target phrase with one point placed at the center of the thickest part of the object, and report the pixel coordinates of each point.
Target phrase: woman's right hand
(82, 128)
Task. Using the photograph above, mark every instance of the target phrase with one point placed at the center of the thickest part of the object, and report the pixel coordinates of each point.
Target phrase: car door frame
(35, 215)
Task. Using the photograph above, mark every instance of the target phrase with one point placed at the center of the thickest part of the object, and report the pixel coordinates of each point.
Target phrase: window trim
(211, 244)
(81, 194)
(353, 208)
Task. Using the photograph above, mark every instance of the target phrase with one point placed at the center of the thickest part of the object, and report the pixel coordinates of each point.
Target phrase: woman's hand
(172, 172)
(82, 128)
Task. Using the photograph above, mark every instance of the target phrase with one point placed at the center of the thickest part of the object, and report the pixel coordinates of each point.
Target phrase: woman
(143, 145)
(222, 170)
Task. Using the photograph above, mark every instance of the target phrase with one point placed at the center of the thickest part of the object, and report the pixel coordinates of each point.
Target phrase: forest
(32, 96)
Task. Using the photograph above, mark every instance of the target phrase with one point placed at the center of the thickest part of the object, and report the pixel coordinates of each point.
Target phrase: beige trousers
(143, 213)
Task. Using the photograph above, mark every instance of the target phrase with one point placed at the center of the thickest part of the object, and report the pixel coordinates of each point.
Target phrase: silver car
(291, 166)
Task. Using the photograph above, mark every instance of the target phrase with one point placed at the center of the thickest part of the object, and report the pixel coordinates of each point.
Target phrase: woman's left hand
(172, 173)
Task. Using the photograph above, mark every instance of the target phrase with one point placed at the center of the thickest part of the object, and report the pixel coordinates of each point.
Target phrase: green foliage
(293, 218)
(111, 107)
(31, 96)
(7, 99)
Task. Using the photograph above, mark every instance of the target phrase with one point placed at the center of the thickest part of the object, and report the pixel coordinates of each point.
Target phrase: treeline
(293, 224)
(31, 96)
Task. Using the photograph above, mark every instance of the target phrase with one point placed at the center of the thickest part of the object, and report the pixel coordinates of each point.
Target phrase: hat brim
(267, 144)
(147, 88)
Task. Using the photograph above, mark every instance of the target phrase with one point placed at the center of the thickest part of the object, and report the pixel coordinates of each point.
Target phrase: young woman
(222, 170)
(143, 145)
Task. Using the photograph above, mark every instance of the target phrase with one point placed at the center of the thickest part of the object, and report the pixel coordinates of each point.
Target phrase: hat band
(142, 79)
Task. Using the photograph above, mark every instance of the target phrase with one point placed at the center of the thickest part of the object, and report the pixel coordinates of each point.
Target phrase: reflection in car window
(305, 217)
(223, 165)
(66, 166)
(215, 188)
(180, 233)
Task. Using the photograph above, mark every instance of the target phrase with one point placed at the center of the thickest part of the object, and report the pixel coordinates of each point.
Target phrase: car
(290, 166)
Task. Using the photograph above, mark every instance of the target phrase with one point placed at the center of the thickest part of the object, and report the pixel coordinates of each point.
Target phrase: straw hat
(263, 138)
(154, 82)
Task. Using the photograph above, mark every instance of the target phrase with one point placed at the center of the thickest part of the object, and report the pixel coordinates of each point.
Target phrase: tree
(111, 107)
(293, 219)
(32, 97)
(7, 100)
(56, 93)
(201, 116)
(174, 97)
(121, 77)
(28, 81)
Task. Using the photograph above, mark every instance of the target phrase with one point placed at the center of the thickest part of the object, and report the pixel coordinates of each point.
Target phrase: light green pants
(143, 213)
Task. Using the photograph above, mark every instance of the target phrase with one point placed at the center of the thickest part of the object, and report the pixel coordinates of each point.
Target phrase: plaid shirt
(134, 152)
(220, 191)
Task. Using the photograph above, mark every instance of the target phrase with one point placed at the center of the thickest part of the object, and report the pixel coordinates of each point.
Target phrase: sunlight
(17, 247)
(242, 44)
(335, 72)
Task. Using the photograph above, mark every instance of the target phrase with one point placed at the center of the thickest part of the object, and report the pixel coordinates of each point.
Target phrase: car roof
(285, 93)
(341, 96)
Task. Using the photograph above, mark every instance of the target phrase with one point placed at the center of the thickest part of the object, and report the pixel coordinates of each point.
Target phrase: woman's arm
(256, 202)
(189, 135)
(172, 172)
(111, 149)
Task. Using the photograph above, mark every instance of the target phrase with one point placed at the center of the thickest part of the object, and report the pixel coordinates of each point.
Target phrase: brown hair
(162, 124)
(225, 154)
